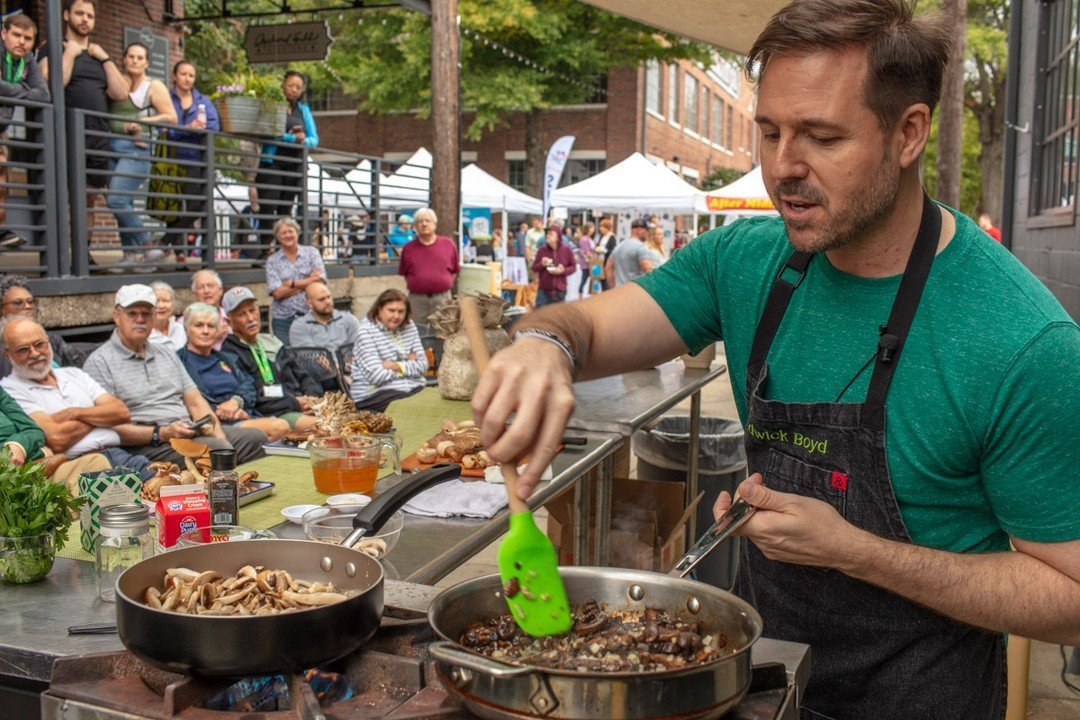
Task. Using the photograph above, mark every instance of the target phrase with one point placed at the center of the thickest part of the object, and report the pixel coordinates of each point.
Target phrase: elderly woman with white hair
(430, 264)
(226, 387)
(168, 331)
(288, 273)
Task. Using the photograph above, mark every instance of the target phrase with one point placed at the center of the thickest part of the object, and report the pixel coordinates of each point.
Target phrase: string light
(527, 62)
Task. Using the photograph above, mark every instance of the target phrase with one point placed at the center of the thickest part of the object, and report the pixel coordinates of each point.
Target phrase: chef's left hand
(793, 528)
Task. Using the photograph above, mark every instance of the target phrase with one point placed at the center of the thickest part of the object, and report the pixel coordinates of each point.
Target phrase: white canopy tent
(410, 185)
(634, 183)
(480, 189)
(745, 196)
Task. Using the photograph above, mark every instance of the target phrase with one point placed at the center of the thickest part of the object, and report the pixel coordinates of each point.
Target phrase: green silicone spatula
(528, 565)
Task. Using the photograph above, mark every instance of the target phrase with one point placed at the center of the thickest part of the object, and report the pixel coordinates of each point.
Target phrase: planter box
(252, 116)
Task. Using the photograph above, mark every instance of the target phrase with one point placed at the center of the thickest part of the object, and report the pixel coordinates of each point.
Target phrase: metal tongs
(739, 512)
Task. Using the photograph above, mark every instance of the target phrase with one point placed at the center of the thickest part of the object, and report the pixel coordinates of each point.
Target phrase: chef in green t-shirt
(907, 387)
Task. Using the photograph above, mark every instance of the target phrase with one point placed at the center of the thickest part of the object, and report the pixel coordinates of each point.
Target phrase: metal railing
(169, 198)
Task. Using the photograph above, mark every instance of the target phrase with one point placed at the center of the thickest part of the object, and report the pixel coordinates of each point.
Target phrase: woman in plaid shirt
(388, 359)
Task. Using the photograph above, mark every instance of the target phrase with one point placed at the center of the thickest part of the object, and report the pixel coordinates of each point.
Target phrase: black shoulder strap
(775, 306)
(902, 314)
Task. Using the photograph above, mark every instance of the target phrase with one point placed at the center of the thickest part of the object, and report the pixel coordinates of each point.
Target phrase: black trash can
(663, 454)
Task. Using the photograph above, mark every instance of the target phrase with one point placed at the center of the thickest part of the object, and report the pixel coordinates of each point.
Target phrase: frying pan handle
(448, 652)
(739, 512)
(379, 510)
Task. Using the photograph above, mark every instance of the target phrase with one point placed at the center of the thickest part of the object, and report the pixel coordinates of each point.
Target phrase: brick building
(692, 118)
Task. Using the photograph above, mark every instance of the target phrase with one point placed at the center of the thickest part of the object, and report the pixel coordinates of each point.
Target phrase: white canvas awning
(410, 185)
(635, 183)
(482, 190)
(730, 24)
(745, 196)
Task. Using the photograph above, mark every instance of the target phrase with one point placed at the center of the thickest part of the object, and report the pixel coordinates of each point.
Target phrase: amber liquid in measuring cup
(345, 475)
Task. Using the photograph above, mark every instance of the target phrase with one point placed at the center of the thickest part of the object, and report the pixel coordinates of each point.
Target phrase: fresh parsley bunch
(31, 505)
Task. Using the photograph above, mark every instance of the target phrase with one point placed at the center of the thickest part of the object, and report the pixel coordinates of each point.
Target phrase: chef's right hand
(532, 380)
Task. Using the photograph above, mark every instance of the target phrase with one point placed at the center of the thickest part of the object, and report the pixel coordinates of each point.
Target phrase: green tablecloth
(416, 419)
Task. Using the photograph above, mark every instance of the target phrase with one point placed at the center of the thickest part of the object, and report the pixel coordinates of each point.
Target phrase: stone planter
(252, 116)
(457, 373)
(26, 559)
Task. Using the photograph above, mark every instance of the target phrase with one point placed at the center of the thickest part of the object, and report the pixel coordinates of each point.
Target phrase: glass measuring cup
(351, 463)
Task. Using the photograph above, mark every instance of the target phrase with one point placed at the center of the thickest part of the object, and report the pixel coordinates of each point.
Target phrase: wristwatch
(155, 435)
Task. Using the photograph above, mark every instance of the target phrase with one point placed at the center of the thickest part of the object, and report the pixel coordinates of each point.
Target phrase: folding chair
(317, 363)
(344, 361)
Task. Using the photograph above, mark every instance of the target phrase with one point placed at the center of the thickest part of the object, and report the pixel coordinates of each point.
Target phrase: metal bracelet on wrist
(551, 338)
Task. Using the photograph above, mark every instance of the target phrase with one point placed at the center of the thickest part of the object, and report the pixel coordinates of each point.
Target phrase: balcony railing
(162, 201)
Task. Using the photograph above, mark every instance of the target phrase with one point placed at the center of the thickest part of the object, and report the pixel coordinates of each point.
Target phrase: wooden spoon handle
(470, 318)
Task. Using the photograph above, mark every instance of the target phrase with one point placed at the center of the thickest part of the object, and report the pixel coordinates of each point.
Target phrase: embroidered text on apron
(874, 654)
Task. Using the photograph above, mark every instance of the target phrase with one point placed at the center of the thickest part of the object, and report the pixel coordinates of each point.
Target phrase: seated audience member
(278, 393)
(228, 389)
(163, 399)
(76, 414)
(168, 331)
(207, 288)
(15, 300)
(388, 359)
(323, 326)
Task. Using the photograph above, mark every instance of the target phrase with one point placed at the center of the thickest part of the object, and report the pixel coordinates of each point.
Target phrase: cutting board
(413, 463)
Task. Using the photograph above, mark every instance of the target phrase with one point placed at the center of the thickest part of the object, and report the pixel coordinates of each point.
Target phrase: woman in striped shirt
(388, 359)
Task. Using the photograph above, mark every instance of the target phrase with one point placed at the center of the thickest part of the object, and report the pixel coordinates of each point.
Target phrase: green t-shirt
(982, 430)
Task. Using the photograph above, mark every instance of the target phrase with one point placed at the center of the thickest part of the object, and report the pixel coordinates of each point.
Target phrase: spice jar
(223, 484)
(124, 541)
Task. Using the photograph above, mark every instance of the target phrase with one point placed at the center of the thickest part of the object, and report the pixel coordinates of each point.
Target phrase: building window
(673, 92)
(652, 87)
(578, 170)
(690, 102)
(717, 120)
(1054, 162)
(515, 174)
(729, 126)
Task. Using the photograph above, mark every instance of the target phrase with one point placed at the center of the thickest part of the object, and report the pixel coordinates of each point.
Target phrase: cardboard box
(648, 524)
(180, 509)
(109, 487)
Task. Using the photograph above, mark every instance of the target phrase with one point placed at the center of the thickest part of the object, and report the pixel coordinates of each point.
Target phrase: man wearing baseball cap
(630, 259)
(153, 383)
(280, 392)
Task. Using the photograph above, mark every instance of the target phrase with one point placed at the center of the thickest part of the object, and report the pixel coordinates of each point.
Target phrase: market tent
(745, 196)
(634, 183)
(482, 190)
(410, 185)
(730, 24)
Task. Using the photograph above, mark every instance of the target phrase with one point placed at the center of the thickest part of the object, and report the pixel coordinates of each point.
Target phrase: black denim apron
(874, 654)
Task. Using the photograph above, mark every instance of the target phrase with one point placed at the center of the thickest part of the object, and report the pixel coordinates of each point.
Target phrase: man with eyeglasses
(17, 300)
(163, 399)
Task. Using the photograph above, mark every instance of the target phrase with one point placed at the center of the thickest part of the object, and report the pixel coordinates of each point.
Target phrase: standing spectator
(401, 234)
(323, 326)
(281, 392)
(282, 164)
(195, 111)
(227, 388)
(430, 265)
(630, 259)
(585, 251)
(167, 331)
(207, 287)
(19, 80)
(553, 263)
(654, 245)
(987, 224)
(91, 80)
(389, 361)
(76, 414)
(17, 300)
(517, 247)
(607, 241)
(147, 100)
(535, 235)
(288, 273)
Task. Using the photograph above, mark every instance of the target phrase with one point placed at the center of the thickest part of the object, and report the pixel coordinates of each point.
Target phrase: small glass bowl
(221, 533)
(348, 503)
(329, 526)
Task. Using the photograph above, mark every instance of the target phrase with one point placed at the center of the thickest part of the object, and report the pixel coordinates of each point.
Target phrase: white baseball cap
(235, 297)
(129, 295)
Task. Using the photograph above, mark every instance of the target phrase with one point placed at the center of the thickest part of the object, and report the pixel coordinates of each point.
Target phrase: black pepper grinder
(224, 488)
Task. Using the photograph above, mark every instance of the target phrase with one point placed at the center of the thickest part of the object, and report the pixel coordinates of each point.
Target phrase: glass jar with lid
(124, 541)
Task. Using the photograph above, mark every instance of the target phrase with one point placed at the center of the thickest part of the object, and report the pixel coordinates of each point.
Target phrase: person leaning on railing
(225, 386)
(147, 100)
(299, 132)
(195, 111)
(20, 79)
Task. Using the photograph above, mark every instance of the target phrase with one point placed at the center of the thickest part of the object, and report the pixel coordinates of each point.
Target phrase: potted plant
(35, 514)
(250, 103)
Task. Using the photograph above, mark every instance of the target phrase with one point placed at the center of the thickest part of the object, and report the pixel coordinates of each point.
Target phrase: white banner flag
(553, 169)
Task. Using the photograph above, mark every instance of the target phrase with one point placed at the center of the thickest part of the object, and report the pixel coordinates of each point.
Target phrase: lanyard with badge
(270, 388)
(13, 72)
